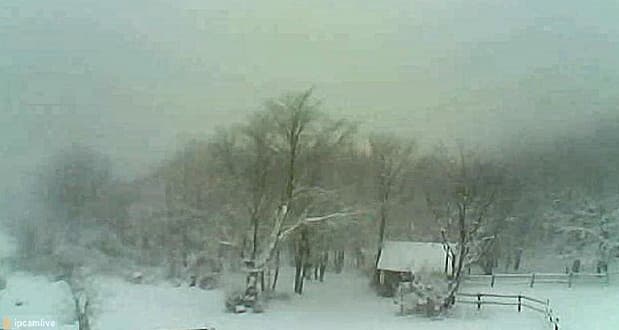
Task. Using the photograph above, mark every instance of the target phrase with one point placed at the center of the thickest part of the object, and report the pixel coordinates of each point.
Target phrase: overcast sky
(129, 76)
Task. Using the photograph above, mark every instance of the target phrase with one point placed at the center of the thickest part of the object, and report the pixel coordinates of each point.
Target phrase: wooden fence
(521, 301)
(533, 278)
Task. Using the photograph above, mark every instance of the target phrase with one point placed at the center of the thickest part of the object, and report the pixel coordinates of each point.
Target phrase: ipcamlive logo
(10, 323)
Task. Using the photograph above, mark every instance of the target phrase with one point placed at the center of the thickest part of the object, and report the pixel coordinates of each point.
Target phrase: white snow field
(342, 302)
(29, 297)
(590, 305)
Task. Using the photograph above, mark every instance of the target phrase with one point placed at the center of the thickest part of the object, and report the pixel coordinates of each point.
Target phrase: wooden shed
(402, 260)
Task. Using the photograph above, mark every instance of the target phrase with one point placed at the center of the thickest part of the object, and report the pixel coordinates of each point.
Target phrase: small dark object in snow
(19, 303)
(137, 278)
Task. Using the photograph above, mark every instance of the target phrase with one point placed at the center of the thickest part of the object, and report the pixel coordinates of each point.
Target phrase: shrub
(425, 295)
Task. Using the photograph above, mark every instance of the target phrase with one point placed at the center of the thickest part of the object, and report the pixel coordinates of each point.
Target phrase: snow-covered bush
(241, 301)
(425, 295)
(204, 272)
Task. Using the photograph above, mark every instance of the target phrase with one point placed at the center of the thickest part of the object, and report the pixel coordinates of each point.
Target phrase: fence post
(570, 278)
(519, 303)
(478, 301)
(532, 279)
(492, 281)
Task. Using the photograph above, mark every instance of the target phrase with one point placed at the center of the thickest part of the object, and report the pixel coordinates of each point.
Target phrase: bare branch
(330, 216)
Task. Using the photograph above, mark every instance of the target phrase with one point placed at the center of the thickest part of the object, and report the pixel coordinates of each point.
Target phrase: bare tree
(294, 115)
(463, 204)
(277, 140)
(390, 158)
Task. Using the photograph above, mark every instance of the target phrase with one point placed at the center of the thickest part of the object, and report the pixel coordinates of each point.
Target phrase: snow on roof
(401, 256)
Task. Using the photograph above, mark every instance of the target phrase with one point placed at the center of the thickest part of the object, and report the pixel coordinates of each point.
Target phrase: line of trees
(291, 180)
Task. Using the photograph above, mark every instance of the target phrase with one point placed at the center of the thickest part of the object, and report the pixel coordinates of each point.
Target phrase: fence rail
(532, 278)
(521, 301)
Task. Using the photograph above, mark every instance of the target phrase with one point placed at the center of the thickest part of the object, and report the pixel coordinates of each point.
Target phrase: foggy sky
(131, 76)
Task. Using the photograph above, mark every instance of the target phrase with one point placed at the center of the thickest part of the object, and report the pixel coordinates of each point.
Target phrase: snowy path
(341, 302)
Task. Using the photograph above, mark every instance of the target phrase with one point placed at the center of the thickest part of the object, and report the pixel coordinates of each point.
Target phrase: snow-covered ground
(586, 305)
(30, 297)
(341, 302)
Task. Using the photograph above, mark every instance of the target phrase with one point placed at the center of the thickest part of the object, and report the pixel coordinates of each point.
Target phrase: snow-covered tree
(587, 227)
(461, 194)
(306, 139)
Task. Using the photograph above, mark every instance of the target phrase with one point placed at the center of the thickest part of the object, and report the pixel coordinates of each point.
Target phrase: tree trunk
(508, 261)
(298, 277)
(254, 247)
(307, 270)
(339, 261)
(262, 281)
(518, 259)
(359, 259)
(381, 235)
(243, 248)
(488, 266)
(322, 267)
(301, 261)
(251, 283)
(451, 298)
(276, 275)
(298, 271)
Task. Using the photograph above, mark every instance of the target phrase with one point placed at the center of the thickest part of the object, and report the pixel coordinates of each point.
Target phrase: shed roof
(404, 256)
